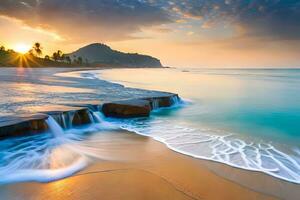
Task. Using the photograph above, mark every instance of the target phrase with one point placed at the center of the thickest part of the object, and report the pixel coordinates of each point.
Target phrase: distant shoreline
(83, 66)
(94, 55)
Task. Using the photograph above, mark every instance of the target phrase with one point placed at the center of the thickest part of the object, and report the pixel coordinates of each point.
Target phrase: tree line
(57, 56)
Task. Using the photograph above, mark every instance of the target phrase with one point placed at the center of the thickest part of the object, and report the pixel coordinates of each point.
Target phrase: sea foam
(61, 153)
(215, 145)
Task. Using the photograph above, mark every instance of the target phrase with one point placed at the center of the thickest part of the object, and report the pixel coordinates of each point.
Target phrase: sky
(181, 33)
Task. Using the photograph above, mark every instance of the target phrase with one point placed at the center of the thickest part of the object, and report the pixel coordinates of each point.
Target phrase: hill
(101, 54)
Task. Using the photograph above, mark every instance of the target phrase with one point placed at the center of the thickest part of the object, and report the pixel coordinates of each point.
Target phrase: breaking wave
(214, 145)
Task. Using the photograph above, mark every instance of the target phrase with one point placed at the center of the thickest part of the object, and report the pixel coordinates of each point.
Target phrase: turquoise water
(61, 151)
(246, 118)
(264, 103)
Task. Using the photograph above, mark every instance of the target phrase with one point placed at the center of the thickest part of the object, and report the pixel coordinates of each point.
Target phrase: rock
(138, 107)
(127, 109)
(81, 117)
(68, 116)
(22, 125)
(65, 116)
(62, 118)
(163, 101)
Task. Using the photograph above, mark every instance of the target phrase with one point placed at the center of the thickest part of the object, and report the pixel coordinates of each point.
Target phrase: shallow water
(24, 89)
(244, 118)
(61, 152)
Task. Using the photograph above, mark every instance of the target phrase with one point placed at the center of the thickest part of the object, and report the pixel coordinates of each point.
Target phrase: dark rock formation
(138, 107)
(81, 117)
(163, 101)
(22, 125)
(127, 109)
(67, 116)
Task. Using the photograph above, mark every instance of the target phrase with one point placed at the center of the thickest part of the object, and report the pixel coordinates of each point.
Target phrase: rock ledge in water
(138, 107)
(22, 125)
(67, 116)
(127, 108)
(76, 115)
(163, 101)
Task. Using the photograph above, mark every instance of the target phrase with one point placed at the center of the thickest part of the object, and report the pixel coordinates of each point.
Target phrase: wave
(51, 156)
(216, 145)
(61, 153)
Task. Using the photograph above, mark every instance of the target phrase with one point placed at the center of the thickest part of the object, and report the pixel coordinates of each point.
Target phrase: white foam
(225, 148)
(54, 127)
(43, 175)
(51, 156)
(214, 145)
(61, 153)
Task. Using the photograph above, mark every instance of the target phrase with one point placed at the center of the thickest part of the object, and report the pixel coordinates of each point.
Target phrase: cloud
(274, 19)
(121, 19)
(75, 19)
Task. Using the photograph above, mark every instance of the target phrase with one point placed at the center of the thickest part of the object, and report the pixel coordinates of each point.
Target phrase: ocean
(245, 118)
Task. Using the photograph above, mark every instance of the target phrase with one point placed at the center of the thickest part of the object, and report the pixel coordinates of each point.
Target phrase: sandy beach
(127, 165)
(141, 168)
(149, 100)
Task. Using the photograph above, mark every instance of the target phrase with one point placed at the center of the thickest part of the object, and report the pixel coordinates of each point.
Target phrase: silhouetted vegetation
(33, 58)
(47, 57)
(37, 49)
(96, 55)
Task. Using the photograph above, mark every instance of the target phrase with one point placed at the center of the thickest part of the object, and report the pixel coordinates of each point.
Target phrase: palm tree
(47, 57)
(59, 55)
(37, 48)
(55, 56)
(59, 52)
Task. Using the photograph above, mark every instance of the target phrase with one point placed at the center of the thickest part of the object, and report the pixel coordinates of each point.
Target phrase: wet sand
(141, 168)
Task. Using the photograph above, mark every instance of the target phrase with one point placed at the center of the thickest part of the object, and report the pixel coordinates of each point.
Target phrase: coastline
(242, 176)
(146, 169)
(179, 182)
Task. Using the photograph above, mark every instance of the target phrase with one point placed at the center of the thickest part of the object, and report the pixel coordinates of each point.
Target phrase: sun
(22, 48)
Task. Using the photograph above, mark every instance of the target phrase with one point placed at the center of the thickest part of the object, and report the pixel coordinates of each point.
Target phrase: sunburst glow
(22, 48)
